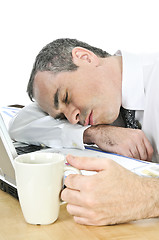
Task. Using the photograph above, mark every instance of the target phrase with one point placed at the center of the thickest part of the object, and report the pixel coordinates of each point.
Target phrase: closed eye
(65, 100)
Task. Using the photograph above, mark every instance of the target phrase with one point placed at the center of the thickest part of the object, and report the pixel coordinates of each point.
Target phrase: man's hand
(113, 195)
(124, 141)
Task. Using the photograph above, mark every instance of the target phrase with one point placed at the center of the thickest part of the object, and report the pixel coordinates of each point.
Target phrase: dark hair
(57, 57)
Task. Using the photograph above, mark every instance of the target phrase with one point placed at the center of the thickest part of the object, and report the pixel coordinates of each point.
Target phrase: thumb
(87, 163)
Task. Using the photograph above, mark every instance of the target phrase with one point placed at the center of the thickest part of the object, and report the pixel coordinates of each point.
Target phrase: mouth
(89, 119)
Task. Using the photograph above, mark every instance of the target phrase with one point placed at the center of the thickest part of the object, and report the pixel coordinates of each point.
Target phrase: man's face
(86, 95)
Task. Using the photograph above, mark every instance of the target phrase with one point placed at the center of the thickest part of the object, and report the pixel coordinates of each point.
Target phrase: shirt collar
(133, 96)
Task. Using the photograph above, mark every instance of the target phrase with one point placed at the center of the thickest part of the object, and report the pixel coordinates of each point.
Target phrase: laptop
(8, 151)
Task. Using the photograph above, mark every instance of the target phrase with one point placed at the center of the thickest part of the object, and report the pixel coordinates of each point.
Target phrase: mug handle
(70, 168)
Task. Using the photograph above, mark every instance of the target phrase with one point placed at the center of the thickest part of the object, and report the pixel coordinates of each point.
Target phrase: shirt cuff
(72, 136)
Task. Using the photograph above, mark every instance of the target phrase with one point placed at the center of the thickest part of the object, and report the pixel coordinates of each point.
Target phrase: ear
(82, 56)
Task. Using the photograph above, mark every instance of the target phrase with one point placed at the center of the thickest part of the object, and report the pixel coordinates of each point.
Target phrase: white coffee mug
(39, 178)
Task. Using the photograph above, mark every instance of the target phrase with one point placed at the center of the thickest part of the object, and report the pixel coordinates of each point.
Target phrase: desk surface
(14, 227)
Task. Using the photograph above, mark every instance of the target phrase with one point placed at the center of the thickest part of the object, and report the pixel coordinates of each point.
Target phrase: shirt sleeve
(33, 126)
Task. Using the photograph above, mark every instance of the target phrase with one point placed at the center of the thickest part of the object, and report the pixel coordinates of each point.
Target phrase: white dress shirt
(140, 92)
(140, 87)
(32, 125)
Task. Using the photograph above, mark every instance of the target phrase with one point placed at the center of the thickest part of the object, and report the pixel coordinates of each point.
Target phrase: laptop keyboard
(28, 149)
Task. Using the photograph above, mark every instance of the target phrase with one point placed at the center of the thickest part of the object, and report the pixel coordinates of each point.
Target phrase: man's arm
(124, 141)
(113, 195)
(33, 126)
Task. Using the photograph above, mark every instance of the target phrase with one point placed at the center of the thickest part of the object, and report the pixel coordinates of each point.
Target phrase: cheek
(79, 98)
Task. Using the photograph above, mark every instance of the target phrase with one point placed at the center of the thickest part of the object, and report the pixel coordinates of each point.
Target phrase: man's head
(56, 57)
(69, 79)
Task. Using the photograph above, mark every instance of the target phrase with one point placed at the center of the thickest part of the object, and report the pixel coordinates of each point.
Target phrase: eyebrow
(56, 99)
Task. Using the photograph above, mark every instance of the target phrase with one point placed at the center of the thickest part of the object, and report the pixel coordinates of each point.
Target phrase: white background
(28, 25)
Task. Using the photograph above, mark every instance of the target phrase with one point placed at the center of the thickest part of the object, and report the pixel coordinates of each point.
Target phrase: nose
(72, 114)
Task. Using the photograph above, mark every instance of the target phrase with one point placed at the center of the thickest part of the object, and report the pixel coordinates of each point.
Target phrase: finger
(125, 152)
(79, 211)
(142, 151)
(149, 149)
(87, 163)
(86, 221)
(134, 152)
(75, 181)
(72, 197)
